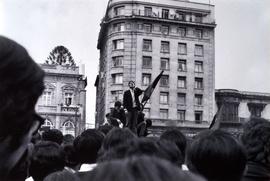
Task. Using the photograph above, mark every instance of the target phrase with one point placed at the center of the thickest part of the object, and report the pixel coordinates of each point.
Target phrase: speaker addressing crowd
(111, 153)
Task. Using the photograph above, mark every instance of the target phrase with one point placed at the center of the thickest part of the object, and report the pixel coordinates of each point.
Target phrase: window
(198, 18)
(182, 65)
(147, 28)
(68, 128)
(147, 45)
(118, 11)
(47, 123)
(198, 66)
(147, 11)
(118, 44)
(198, 83)
(119, 27)
(198, 99)
(117, 95)
(146, 112)
(164, 64)
(165, 47)
(47, 97)
(165, 29)
(164, 81)
(68, 97)
(181, 115)
(198, 116)
(198, 33)
(181, 98)
(117, 61)
(182, 48)
(181, 31)
(163, 113)
(146, 79)
(147, 62)
(117, 78)
(198, 50)
(164, 97)
(165, 14)
(181, 82)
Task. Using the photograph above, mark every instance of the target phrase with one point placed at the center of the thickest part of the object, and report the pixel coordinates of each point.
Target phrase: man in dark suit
(132, 104)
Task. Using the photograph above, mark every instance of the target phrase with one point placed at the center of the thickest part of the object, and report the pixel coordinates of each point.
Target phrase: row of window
(164, 14)
(164, 29)
(164, 47)
(117, 61)
(164, 80)
(48, 96)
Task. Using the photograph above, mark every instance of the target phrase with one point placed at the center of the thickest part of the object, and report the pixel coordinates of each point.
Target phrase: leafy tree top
(60, 55)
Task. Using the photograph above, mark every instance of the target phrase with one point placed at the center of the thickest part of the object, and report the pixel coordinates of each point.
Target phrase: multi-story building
(139, 38)
(239, 106)
(63, 102)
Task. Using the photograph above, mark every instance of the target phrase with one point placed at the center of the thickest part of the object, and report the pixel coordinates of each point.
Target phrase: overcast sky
(242, 37)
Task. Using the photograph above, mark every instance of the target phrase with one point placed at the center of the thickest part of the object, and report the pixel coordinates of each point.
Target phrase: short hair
(21, 84)
(105, 129)
(117, 104)
(70, 156)
(143, 168)
(177, 137)
(68, 139)
(87, 145)
(47, 157)
(53, 135)
(256, 140)
(61, 176)
(216, 155)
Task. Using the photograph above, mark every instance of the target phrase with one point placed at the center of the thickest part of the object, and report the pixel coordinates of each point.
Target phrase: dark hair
(53, 135)
(70, 156)
(61, 176)
(217, 156)
(256, 140)
(21, 84)
(117, 104)
(68, 139)
(105, 129)
(141, 168)
(87, 145)
(175, 136)
(47, 157)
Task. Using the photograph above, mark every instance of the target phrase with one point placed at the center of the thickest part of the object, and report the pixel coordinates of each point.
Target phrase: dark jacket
(127, 100)
(256, 172)
(117, 115)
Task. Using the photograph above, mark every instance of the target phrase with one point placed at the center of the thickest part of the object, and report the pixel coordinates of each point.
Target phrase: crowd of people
(111, 153)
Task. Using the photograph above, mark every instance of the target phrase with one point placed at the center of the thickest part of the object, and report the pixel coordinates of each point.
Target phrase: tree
(60, 55)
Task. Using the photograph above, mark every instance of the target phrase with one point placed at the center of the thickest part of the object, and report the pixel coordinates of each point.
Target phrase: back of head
(117, 104)
(256, 140)
(175, 136)
(47, 157)
(53, 135)
(87, 145)
(105, 128)
(21, 83)
(62, 176)
(141, 168)
(68, 139)
(217, 156)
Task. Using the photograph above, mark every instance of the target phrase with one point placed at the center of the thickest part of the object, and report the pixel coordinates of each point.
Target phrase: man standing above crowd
(132, 104)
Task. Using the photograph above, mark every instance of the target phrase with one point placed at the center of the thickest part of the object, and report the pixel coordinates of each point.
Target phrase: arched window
(68, 128)
(47, 124)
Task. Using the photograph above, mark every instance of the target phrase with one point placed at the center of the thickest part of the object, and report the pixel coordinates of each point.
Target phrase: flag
(215, 124)
(149, 90)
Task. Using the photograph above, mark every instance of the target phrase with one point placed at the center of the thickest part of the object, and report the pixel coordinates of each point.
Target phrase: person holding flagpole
(132, 104)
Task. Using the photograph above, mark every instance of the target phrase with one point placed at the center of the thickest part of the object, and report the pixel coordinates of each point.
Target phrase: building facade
(63, 102)
(139, 39)
(239, 106)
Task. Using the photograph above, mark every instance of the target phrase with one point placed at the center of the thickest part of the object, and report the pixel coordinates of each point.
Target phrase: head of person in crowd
(61, 176)
(256, 141)
(105, 129)
(21, 84)
(217, 156)
(143, 168)
(68, 139)
(87, 146)
(116, 137)
(70, 156)
(47, 157)
(177, 137)
(117, 105)
(53, 135)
